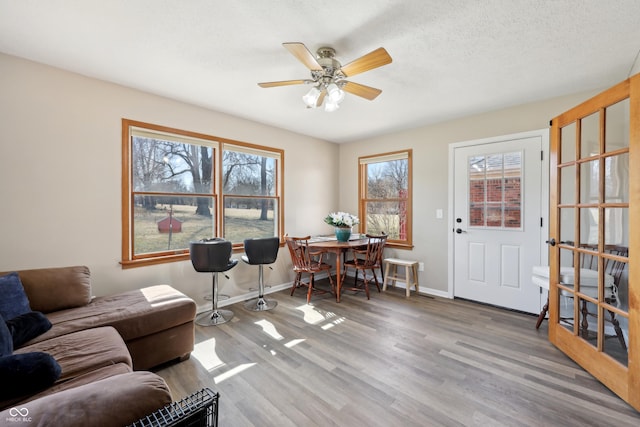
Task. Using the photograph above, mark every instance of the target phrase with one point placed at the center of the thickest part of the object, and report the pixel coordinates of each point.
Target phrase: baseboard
(277, 288)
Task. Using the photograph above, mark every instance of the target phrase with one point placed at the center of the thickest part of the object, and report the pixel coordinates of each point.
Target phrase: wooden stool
(409, 267)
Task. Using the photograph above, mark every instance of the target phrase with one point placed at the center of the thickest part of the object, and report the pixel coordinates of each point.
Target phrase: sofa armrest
(115, 401)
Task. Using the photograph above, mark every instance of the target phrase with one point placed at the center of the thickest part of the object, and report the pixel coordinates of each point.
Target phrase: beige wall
(430, 173)
(61, 185)
(61, 176)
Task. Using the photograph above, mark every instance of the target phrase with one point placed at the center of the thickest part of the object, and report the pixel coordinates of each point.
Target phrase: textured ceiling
(451, 58)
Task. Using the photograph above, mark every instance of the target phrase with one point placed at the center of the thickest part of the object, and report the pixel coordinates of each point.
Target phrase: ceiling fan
(328, 75)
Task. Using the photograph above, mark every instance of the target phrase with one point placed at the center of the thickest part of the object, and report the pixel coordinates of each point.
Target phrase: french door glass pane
(567, 229)
(616, 226)
(590, 136)
(616, 179)
(568, 185)
(589, 220)
(617, 325)
(589, 179)
(617, 129)
(568, 143)
(588, 325)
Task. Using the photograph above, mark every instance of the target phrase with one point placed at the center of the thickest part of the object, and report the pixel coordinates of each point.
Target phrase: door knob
(460, 231)
(551, 242)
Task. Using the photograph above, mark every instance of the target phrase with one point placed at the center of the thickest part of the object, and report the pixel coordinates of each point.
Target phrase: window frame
(363, 163)
(218, 145)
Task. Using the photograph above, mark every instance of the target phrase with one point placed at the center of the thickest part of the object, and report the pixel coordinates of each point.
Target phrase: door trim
(544, 202)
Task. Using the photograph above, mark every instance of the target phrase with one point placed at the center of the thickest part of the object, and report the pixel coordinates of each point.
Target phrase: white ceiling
(451, 58)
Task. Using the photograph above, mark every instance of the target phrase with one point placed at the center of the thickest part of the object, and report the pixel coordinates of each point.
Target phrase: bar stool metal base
(260, 304)
(214, 317)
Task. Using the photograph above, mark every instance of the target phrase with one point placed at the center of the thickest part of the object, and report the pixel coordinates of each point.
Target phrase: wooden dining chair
(309, 261)
(364, 259)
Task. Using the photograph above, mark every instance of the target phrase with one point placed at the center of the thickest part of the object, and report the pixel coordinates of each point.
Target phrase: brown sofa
(98, 343)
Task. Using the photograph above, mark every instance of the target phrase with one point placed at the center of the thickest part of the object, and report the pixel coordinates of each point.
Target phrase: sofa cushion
(6, 340)
(14, 301)
(83, 351)
(26, 373)
(134, 314)
(116, 401)
(51, 289)
(89, 377)
(27, 326)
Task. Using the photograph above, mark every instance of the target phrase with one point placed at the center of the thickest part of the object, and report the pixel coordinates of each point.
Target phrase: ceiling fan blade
(371, 60)
(282, 83)
(363, 91)
(321, 98)
(300, 51)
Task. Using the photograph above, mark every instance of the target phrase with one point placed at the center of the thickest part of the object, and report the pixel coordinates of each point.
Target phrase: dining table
(332, 245)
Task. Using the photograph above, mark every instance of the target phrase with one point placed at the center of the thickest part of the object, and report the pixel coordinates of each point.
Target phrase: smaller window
(386, 196)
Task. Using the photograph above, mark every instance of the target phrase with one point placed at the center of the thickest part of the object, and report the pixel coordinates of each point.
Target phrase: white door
(497, 220)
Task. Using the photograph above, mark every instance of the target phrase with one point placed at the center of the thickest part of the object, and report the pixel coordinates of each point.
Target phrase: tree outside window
(386, 196)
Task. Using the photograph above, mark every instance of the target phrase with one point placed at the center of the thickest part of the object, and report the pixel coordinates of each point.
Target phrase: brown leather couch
(99, 342)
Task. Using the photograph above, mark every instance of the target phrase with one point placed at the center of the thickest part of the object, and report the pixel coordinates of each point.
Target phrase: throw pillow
(14, 301)
(6, 342)
(27, 373)
(27, 326)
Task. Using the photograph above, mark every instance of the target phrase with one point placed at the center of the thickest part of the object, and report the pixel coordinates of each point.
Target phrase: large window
(179, 186)
(385, 196)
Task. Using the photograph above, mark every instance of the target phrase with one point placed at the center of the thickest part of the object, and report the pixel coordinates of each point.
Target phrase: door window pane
(568, 185)
(568, 143)
(495, 190)
(616, 179)
(616, 226)
(589, 182)
(617, 129)
(590, 136)
(589, 226)
(567, 226)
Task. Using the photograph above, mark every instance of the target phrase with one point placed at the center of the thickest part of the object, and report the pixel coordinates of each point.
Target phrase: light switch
(439, 214)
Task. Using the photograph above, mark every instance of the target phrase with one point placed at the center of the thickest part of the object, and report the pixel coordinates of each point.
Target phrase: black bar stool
(214, 256)
(259, 252)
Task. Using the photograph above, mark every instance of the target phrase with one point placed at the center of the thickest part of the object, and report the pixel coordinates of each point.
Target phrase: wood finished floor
(390, 361)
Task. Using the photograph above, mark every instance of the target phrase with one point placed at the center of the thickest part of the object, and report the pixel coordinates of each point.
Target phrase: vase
(343, 234)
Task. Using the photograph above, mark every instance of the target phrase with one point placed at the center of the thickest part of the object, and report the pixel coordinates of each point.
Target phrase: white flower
(341, 219)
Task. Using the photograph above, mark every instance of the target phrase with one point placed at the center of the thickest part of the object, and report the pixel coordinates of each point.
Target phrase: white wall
(61, 177)
(430, 172)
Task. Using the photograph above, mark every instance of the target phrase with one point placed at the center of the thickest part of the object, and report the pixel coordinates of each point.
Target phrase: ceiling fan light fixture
(335, 93)
(330, 106)
(311, 97)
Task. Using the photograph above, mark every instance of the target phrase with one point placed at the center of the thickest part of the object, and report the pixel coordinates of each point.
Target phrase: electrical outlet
(421, 266)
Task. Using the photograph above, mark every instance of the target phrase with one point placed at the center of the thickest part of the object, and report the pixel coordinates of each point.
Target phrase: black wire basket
(199, 409)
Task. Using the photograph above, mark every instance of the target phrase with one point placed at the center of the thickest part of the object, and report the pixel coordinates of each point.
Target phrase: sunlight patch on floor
(269, 329)
(231, 372)
(311, 315)
(334, 323)
(293, 343)
(205, 353)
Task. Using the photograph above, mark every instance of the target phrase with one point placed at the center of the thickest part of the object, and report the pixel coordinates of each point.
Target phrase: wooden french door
(595, 235)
